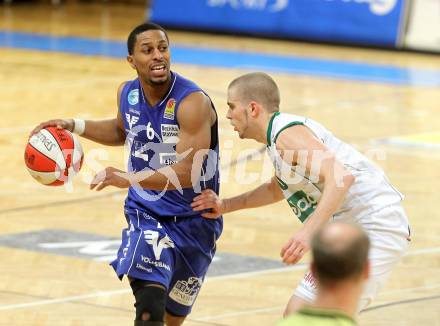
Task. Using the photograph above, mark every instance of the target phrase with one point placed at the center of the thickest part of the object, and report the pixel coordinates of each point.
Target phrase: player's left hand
(296, 247)
(110, 176)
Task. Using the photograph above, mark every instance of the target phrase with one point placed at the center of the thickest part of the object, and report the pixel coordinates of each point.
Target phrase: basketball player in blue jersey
(322, 179)
(170, 127)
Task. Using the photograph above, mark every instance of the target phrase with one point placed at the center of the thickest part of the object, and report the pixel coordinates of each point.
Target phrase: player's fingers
(99, 177)
(199, 197)
(289, 258)
(294, 256)
(202, 200)
(36, 129)
(203, 195)
(44, 125)
(290, 250)
(208, 192)
(285, 247)
(202, 205)
(93, 185)
(198, 202)
(210, 215)
(198, 208)
(102, 185)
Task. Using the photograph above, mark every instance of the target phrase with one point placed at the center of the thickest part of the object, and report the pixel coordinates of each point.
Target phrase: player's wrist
(224, 206)
(79, 126)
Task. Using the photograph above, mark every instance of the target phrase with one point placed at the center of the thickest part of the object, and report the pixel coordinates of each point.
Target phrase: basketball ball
(53, 156)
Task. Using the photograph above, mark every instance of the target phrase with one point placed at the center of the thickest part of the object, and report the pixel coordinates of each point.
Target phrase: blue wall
(368, 22)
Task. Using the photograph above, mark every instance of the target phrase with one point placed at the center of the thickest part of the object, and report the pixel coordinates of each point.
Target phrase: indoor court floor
(55, 243)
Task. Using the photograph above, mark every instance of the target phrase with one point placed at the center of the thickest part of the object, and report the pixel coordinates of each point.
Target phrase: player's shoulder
(185, 89)
(195, 103)
(280, 127)
(181, 81)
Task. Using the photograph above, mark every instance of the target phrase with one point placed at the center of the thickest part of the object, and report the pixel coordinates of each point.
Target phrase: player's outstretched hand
(110, 176)
(59, 123)
(208, 200)
(296, 247)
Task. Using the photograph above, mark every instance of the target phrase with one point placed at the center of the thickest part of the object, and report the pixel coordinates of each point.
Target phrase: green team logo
(302, 205)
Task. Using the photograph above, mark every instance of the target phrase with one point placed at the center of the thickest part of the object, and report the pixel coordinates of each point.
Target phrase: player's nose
(157, 54)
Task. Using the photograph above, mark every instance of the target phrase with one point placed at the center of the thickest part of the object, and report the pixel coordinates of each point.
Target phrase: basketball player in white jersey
(322, 179)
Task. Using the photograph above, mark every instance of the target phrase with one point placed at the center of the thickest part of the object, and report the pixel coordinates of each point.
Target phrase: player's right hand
(58, 123)
(209, 201)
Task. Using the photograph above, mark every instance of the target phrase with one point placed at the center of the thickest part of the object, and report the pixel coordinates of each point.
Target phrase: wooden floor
(38, 287)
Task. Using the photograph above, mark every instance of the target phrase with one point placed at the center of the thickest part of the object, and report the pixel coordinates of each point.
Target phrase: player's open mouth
(158, 70)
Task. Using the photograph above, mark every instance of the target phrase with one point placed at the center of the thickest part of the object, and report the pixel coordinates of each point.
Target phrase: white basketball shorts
(388, 231)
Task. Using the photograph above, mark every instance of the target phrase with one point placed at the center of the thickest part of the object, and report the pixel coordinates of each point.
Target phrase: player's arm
(195, 117)
(298, 146)
(106, 132)
(265, 194)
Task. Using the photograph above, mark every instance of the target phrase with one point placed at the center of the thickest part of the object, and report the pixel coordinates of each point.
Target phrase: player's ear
(313, 269)
(366, 272)
(254, 109)
(130, 61)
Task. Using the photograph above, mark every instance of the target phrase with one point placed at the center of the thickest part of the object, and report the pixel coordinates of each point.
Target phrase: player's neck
(260, 135)
(344, 298)
(262, 126)
(155, 93)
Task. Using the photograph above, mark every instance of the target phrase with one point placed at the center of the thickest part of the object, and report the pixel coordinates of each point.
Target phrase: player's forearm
(176, 176)
(265, 194)
(104, 132)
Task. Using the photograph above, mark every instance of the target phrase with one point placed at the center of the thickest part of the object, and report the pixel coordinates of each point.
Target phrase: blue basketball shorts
(172, 251)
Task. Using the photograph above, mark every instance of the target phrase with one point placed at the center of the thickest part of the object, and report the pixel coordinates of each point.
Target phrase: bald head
(258, 87)
(340, 252)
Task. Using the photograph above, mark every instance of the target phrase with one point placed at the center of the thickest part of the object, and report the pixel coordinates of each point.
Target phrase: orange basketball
(53, 156)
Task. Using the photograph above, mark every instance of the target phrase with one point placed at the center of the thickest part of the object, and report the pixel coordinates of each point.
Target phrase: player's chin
(159, 80)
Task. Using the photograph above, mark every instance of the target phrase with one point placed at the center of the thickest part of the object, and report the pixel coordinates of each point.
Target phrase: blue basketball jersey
(152, 134)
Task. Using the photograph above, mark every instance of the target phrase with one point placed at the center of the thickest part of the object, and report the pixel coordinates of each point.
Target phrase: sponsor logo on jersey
(131, 110)
(170, 133)
(131, 120)
(167, 158)
(169, 109)
(302, 204)
(185, 292)
(133, 96)
(152, 238)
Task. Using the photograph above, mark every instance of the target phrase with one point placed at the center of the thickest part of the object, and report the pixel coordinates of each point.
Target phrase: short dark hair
(131, 41)
(339, 257)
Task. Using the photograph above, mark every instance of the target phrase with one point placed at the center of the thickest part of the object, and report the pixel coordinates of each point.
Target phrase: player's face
(237, 114)
(151, 57)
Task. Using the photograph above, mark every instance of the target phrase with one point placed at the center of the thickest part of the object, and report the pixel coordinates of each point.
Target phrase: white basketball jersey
(370, 192)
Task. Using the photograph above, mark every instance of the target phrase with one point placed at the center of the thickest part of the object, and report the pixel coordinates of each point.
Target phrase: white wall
(423, 26)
